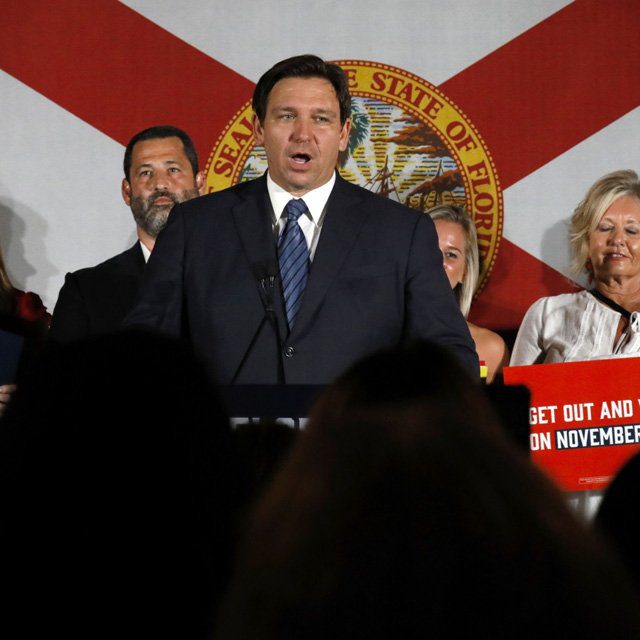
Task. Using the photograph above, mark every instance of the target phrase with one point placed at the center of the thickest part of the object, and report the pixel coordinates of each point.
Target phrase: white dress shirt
(571, 327)
(310, 223)
(145, 252)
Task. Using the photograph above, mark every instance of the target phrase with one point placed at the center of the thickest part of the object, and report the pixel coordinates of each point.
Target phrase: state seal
(408, 142)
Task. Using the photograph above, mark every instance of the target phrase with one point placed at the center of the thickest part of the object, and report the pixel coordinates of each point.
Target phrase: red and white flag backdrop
(553, 88)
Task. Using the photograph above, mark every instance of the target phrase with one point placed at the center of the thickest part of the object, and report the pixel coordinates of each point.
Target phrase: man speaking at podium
(294, 276)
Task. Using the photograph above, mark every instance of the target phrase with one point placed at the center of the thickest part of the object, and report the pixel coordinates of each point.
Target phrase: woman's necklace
(610, 303)
(624, 320)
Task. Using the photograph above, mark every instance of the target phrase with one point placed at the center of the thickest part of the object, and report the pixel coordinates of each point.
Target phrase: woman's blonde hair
(601, 195)
(464, 291)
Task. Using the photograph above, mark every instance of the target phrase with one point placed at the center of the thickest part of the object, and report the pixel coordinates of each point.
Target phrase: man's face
(160, 176)
(301, 133)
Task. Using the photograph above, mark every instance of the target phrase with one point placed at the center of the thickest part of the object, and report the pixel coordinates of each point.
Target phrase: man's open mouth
(301, 158)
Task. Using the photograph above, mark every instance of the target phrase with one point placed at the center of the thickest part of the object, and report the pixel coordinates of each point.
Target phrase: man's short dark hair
(161, 131)
(305, 66)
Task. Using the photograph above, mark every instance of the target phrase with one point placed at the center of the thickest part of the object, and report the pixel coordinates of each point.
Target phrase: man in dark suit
(292, 277)
(161, 169)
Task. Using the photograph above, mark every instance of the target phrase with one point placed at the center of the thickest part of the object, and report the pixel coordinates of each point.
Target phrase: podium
(287, 404)
(290, 405)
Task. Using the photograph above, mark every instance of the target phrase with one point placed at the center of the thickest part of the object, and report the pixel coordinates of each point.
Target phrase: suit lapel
(343, 221)
(134, 259)
(253, 220)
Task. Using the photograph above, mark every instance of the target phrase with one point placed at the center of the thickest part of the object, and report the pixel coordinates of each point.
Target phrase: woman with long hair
(458, 242)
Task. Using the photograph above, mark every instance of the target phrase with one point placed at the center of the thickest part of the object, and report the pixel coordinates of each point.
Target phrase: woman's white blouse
(571, 327)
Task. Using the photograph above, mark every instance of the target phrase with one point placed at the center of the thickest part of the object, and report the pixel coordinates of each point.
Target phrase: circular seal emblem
(408, 142)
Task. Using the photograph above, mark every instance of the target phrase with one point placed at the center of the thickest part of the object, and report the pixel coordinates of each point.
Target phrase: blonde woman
(459, 245)
(602, 321)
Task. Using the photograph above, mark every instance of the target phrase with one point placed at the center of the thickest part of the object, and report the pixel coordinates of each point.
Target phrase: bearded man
(160, 169)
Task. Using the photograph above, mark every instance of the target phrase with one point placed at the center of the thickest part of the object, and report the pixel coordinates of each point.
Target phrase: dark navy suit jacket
(376, 280)
(95, 300)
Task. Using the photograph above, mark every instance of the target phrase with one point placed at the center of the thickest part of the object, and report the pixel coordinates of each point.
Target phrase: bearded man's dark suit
(376, 280)
(95, 300)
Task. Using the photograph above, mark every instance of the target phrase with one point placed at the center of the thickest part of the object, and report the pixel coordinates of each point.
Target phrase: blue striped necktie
(293, 256)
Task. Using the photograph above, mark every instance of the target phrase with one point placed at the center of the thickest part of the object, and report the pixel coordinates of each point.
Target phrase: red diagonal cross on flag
(532, 99)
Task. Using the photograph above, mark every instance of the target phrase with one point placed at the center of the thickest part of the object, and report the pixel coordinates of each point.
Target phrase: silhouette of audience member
(117, 493)
(618, 519)
(415, 371)
(400, 514)
(260, 448)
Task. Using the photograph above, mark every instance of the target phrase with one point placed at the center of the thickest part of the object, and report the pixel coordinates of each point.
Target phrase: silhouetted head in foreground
(116, 483)
(403, 512)
(412, 373)
(618, 517)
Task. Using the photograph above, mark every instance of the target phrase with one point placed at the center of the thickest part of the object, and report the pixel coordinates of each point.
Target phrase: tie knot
(295, 208)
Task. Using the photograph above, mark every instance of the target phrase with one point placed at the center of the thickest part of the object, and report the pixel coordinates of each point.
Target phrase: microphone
(266, 275)
(271, 272)
(260, 274)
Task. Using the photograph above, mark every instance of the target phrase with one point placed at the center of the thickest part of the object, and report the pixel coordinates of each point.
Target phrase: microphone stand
(266, 277)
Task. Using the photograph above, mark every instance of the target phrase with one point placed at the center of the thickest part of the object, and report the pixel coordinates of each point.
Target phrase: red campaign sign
(584, 417)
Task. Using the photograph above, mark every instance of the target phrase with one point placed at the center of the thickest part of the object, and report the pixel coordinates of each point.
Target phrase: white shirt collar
(316, 199)
(145, 252)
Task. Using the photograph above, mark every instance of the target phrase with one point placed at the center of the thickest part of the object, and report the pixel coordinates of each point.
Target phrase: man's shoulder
(129, 261)
(380, 210)
(235, 193)
(375, 201)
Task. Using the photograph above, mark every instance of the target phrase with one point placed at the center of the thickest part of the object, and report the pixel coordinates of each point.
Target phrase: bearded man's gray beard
(152, 218)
